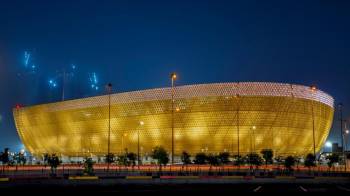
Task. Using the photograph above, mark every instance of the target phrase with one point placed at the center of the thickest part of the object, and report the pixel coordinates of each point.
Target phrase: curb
(138, 177)
(4, 179)
(83, 177)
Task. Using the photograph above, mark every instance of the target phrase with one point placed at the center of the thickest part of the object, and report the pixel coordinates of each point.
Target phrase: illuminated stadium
(221, 117)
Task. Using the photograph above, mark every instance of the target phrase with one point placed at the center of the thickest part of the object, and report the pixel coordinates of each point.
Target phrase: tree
(54, 162)
(332, 159)
(122, 160)
(186, 158)
(4, 158)
(238, 160)
(127, 159)
(224, 157)
(254, 159)
(88, 166)
(131, 157)
(200, 158)
(279, 160)
(297, 161)
(46, 158)
(20, 158)
(110, 158)
(289, 162)
(213, 160)
(310, 161)
(267, 155)
(161, 155)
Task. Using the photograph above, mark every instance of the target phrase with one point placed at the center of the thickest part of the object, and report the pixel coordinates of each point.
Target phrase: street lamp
(173, 77)
(254, 128)
(313, 90)
(346, 133)
(342, 134)
(109, 88)
(138, 144)
(237, 122)
(124, 135)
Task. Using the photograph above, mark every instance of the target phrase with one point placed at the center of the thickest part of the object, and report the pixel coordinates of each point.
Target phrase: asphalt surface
(204, 187)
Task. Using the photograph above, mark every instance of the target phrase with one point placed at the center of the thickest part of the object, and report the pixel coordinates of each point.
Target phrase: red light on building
(18, 106)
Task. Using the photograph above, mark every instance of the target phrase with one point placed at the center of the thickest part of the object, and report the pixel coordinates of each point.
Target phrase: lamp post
(138, 144)
(346, 144)
(251, 146)
(173, 78)
(254, 128)
(313, 90)
(342, 134)
(109, 87)
(345, 136)
(237, 122)
(124, 135)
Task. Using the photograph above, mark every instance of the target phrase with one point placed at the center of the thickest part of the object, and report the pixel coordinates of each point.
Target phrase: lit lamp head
(177, 109)
(347, 131)
(142, 123)
(328, 144)
(254, 127)
(313, 88)
(173, 76)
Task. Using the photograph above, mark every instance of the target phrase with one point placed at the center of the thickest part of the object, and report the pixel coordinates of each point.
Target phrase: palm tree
(213, 160)
(200, 158)
(110, 158)
(54, 162)
(332, 159)
(131, 159)
(4, 158)
(289, 162)
(238, 160)
(255, 159)
(161, 155)
(185, 158)
(89, 166)
(122, 160)
(310, 161)
(267, 155)
(224, 157)
(279, 160)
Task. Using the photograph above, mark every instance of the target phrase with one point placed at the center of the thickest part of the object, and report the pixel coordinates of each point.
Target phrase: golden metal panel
(208, 120)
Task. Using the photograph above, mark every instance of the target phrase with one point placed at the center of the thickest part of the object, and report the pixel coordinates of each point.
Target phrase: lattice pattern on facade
(208, 119)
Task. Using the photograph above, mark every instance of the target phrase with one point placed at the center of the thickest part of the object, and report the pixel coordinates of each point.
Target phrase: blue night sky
(136, 44)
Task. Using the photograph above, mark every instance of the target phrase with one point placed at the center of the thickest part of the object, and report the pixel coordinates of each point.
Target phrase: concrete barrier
(83, 177)
(138, 177)
(4, 179)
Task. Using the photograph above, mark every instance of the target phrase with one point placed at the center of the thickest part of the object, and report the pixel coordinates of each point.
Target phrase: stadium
(237, 118)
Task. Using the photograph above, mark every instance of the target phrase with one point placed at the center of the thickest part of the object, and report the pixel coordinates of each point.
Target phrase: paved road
(117, 186)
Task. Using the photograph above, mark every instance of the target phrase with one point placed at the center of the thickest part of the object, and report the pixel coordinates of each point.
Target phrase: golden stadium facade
(211, 118)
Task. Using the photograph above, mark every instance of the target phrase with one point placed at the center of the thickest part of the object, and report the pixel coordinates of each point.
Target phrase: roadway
(176, 185)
